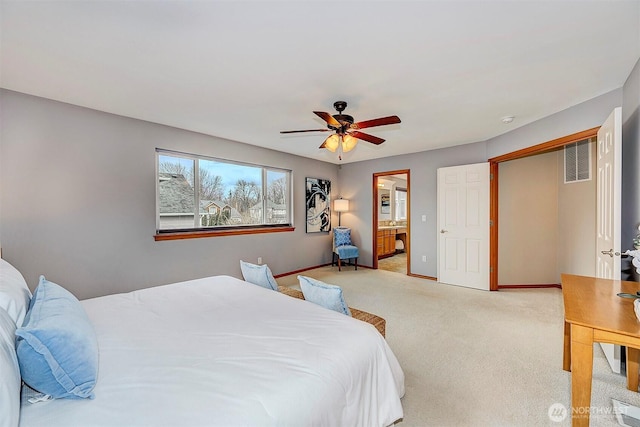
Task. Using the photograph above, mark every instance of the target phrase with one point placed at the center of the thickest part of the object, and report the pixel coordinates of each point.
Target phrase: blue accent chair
(343, 248)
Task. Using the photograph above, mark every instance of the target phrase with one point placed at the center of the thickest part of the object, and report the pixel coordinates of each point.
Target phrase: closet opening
(495, 209)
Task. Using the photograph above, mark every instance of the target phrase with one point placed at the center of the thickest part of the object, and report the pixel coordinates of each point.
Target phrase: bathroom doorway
(391, 195)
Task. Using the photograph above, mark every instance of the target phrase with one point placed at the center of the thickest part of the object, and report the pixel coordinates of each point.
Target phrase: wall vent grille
(577, 161)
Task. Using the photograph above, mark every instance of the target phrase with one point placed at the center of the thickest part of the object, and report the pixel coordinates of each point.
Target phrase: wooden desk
(594, 313)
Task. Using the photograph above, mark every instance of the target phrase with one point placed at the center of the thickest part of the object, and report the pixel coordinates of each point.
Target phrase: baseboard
(301, 270)
(551, 285)
(420, 276)
(322, 265)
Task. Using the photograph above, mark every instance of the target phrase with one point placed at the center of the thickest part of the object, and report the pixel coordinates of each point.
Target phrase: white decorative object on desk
(636, 263)
(636, 258)
(636, 307)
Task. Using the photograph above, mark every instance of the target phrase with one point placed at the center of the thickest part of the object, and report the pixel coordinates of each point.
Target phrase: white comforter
(222, 352)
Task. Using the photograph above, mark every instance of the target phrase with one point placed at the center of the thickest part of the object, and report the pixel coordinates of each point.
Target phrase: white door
(463, 225)
(608, 217)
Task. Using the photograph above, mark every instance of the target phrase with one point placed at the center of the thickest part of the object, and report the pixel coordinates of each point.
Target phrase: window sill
(179, 235)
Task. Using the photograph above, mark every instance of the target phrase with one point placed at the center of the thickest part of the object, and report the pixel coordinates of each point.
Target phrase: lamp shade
(348, 143)
(332, 143)
(341, 205)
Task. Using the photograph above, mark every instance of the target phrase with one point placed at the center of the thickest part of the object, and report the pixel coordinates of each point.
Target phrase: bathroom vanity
(387, 236)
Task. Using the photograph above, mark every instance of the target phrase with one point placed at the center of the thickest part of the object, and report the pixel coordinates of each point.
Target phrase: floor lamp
(340, 205)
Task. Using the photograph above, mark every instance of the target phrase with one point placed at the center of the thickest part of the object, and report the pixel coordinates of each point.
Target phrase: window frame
(227, 230)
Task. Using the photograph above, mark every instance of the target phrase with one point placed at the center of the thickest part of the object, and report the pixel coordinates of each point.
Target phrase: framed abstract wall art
(318, 205)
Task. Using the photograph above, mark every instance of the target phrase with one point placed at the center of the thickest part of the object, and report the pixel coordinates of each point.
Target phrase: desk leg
(581, 373)
(632, 368)
(566, 353)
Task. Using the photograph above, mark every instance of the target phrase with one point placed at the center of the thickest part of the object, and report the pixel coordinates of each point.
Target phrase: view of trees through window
(227, 194)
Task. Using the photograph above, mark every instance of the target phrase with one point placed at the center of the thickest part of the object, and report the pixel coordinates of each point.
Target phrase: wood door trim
(493, 194)
(493, 226)
(547, 146)
(374, 222)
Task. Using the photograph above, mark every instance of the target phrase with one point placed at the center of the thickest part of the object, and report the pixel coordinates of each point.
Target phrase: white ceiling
(246, 70)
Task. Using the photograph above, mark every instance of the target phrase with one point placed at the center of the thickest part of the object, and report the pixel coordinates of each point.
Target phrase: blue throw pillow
(342, 236)
(258, 275)
(328, 296)
(57, 347)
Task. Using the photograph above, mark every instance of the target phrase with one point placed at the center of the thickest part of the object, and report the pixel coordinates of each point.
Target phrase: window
(401, 204)
(227, 196)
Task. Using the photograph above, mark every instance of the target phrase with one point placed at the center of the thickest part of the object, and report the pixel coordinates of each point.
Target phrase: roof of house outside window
(176, 194)
(177, 197)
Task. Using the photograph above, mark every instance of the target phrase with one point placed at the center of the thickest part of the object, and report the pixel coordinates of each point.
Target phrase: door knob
(610, 253)
(443, 231)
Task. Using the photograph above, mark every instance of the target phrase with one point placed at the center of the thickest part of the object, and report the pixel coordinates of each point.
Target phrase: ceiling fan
(346, 130)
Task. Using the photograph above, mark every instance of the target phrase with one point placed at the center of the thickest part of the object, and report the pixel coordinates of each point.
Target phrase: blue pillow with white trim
(324, 294)
(258, 275)
(57, 346)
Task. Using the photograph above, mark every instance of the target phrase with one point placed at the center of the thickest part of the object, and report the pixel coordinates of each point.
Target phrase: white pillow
(9, 373)
(14, 293)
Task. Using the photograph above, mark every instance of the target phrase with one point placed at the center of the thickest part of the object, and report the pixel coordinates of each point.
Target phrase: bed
(221, 351)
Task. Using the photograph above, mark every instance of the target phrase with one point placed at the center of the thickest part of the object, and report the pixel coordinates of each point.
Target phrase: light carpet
(475, 358)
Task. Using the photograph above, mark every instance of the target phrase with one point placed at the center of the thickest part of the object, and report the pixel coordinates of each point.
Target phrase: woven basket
(377, 321)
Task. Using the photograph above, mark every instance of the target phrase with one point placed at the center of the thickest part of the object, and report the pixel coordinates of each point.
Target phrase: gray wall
(586, 115)
(356, 178)
(630, 165)
(77, 194)
(78, 201)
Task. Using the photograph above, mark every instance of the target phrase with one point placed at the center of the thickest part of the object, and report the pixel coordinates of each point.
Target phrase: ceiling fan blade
(307, 130)
(366, 137)
(327, 118)
(376, 122)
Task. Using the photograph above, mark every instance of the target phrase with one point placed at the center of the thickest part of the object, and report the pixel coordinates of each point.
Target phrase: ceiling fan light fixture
(348, 143)
(346, 129)
(332, 143)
